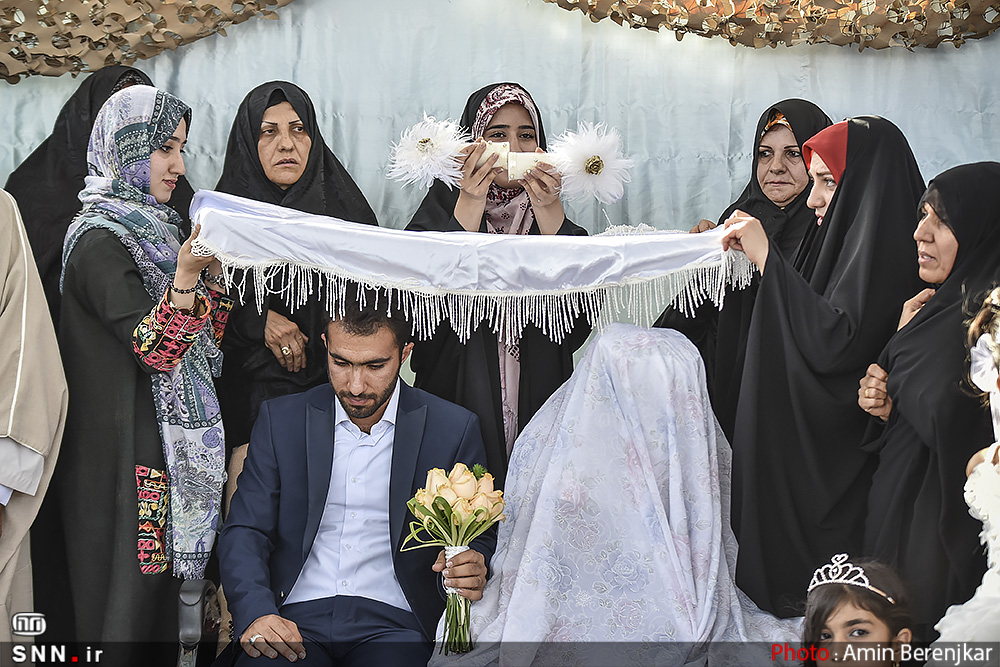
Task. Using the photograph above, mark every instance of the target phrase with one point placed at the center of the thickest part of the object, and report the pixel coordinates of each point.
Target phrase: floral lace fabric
(618, 521)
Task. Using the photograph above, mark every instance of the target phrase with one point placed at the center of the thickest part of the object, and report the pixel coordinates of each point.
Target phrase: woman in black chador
(917, 518)
(776, 195)
(277, 155)
(800, 481)
(503, 382)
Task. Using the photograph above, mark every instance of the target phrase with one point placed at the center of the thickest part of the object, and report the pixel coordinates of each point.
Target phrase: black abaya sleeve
(800, 482)
(568, 228)
(103, 276)
(834, 333)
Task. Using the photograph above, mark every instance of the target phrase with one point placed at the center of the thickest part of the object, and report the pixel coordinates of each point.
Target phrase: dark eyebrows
(857, 621)
(507, 127)
(367, 362)
(294, 121)
(176, 140)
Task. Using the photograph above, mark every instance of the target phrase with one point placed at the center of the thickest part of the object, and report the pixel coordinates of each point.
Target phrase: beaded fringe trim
(506, 312)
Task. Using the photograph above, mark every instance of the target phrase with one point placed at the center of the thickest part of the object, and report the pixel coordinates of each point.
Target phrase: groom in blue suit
(310, 553)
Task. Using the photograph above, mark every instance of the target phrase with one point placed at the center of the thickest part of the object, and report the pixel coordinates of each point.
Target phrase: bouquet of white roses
(454, 509)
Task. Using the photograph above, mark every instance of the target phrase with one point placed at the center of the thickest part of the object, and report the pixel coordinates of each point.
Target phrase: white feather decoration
(428, 151)
(591, 163)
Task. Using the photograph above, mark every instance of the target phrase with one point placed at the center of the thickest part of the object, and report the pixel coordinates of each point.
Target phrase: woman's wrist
(184, 279)
(181, 294)
(763, 258)
(186, 302)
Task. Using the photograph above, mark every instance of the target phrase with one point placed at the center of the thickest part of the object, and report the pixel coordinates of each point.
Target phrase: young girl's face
(850, 624)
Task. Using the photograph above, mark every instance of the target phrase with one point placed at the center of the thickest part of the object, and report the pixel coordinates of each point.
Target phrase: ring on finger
(256, 637)
(285, 350)
(868, 393)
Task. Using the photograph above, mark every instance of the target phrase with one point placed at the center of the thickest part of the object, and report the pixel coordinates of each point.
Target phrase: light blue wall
(686, 108)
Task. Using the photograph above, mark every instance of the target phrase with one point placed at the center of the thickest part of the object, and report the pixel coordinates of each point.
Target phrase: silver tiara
(840, 571)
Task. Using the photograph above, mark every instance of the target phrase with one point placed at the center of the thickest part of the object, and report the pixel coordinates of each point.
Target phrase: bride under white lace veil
(617, 548)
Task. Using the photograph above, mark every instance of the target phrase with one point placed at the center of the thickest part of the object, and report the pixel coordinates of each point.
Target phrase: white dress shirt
(352, 553)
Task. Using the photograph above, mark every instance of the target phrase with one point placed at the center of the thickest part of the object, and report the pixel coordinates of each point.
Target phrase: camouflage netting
(52, 37)
(868, 23)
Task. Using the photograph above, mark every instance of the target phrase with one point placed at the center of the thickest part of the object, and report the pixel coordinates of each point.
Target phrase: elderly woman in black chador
(776, 195)
(277, 155)
(800, 483)
(933, 422)
(503, 382)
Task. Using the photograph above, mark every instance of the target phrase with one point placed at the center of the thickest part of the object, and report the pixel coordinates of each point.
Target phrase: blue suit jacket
(282, 492)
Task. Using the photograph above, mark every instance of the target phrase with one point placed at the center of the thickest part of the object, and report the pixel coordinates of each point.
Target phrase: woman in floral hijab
(139, 486)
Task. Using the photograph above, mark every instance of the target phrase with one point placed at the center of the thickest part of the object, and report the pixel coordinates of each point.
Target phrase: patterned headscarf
(777, 118)
(131, 125)
(503, 94)
(508, 210)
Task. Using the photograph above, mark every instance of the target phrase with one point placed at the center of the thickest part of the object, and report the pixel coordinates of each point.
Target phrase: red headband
(831, 144)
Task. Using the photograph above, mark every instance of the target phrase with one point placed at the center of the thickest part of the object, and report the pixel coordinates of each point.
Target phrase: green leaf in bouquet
(415, 529)
(442, 505)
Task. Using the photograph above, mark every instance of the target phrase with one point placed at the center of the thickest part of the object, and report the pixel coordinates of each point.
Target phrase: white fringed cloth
(466, 278)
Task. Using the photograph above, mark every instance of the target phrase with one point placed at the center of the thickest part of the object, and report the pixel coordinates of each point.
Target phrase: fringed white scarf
(466, 278)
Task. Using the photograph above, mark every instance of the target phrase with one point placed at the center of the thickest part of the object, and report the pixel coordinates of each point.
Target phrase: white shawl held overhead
(466, 278)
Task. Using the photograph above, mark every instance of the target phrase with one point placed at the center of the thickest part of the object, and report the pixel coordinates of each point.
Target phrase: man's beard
(366, 411)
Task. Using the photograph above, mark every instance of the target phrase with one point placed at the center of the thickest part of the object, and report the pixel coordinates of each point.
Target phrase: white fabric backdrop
(686, 109)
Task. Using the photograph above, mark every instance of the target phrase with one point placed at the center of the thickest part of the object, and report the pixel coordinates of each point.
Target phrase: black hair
(824, 600)
(932, 196)
(369, 318)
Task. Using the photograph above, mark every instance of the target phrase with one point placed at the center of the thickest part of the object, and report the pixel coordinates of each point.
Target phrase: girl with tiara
(856, 613)
(977, 620)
